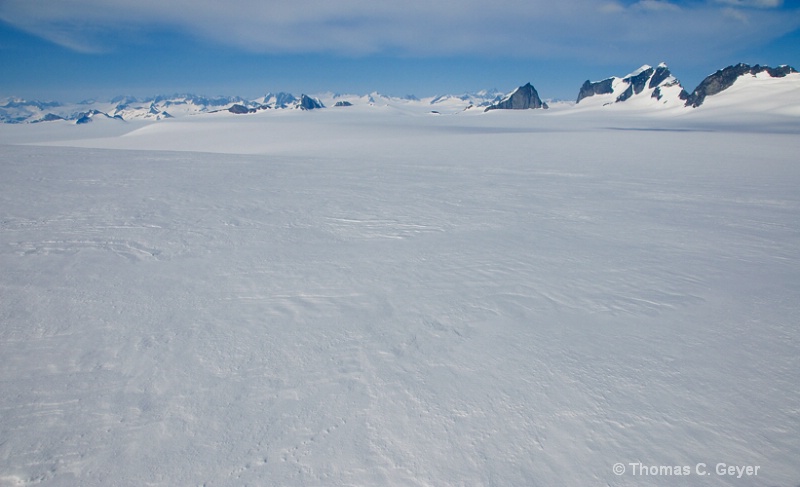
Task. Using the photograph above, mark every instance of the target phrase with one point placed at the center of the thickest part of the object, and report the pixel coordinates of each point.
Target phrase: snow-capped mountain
(481, 99)
(121, 108)
(17, 110)
(277, 100)
(647, 86)
(174, 106)
(87, 117)
(725, 78)
(444, 101)
(308, 103)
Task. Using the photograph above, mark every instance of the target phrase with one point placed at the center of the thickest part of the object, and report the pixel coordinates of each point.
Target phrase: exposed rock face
(524, 98)
(50, 117)
(724, 79)
(240, 109)
(636, 84)
(597, 88)
(660, 75)
(157, 114)
(656, 83)
(344, 103)
(308, 103)
(86, 117)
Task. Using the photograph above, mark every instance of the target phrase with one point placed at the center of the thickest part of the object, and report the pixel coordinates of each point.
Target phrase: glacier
(374, 295)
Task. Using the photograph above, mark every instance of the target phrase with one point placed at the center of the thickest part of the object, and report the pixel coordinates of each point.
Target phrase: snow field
(348, 298)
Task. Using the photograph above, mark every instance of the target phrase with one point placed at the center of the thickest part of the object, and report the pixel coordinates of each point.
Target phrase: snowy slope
(376, 296)
(760, 93)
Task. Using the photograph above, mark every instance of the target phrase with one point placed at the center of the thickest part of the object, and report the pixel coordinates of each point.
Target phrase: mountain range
(646, 87)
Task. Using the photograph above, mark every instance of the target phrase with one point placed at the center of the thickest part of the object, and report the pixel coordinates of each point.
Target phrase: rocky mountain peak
(654, 83)
(308, 103)
(523, 98)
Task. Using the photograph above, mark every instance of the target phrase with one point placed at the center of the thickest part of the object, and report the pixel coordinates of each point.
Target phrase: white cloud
(736, 14)
(581, 29)
(656, 6)
(752, 3)
(611, 7)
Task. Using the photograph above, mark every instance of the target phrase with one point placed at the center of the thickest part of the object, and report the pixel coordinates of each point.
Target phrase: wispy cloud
(752, 3)
(656, 6)
(525, 28)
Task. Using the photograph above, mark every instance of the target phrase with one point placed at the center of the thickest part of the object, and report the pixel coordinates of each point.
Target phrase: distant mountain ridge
(647, 88)
(658, 87)
(128, 108)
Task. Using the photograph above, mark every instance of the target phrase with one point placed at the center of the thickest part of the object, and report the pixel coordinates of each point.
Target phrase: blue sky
(70, 50)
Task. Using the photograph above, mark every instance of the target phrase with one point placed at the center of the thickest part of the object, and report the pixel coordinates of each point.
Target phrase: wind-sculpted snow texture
(376, 296)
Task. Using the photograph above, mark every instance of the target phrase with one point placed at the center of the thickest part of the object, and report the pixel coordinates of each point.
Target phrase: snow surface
(760, 93)
(377, 296)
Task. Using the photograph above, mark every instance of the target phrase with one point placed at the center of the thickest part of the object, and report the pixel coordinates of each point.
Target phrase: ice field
(377, 296)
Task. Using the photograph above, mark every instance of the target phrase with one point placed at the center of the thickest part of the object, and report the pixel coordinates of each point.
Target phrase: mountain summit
(646, 85)
(522, 98)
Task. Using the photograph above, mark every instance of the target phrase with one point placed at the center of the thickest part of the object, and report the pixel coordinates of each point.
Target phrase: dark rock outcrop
(83, 119)
(595, 88)
(308, 103)
(158, 114)
(636, 83)
(50, 117)
(683, 95)
(660, 75)
(343, 104)
(724, 79)
(240, 109)
(86, 117)
(523, 98)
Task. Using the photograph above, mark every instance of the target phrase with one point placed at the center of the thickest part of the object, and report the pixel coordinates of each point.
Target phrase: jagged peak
(523, 98)
(308, 103)
(654, 83)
